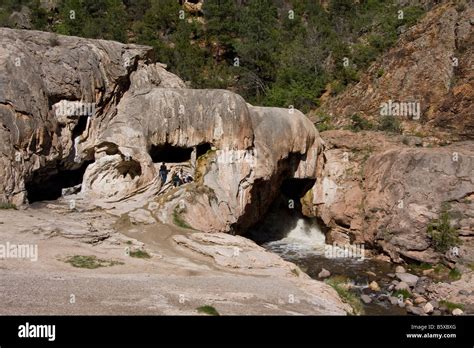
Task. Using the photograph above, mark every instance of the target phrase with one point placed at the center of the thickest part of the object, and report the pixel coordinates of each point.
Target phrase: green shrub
(4, 18)
(178, 219)
(454, 274)
(440, 269)
(359, 123)
(90, 262)
(412, 14)
(443, 235)
(208, 310)
(451, 305)
(390, 124)
(419, 267)
(380, 72)
(336, 87)
(340, 285)
(404, 292)
(141, 254)
(7, 206)
(323, 123)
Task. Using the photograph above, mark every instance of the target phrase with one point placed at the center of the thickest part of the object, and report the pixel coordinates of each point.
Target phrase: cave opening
(80, 127)
(176, 154)
(130, 167)
(284, 217)
(47, 183)
(201, 149)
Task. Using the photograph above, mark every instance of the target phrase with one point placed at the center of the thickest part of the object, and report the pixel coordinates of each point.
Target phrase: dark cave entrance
(46, 184)
(175, 154)
(296, 188)
(284, 213)
(202, 149)
(80, 127)
(130, 167)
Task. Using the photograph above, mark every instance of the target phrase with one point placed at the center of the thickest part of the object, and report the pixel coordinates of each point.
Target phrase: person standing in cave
(176, 180)
(181, 177)
(163, 173)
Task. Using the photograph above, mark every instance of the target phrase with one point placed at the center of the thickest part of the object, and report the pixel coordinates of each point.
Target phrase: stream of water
(305, 246)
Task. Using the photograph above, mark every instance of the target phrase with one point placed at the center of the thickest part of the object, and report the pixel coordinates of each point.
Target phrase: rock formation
(384, 190)
(378, 191)
(99, 113)
(431, 64)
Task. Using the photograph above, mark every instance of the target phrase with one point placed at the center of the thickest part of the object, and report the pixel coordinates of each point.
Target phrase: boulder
(434, 303)
(400, 269)
(393, 300)
(408, 278)
(374, 286)
(236, 253)
(419, 300)
(428, 308)
(324, 273)
(415, 310)
(427, 272)
(366, 299)
(402, 286)
(419, 290)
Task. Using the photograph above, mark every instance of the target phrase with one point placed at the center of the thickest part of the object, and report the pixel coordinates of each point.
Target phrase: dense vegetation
(273, 52)
(443, 234)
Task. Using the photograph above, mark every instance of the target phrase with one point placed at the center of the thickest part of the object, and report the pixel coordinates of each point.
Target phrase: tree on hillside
(136, 9)
(258, 48)
(157, 26)
(187, 57)
(221, 26)
(104, 19)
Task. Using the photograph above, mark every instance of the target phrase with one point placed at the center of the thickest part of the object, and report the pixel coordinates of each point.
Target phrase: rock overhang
(138, 105)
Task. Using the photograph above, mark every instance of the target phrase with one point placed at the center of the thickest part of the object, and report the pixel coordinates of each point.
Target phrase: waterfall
(77, 157)
(304, 237)
(306, 233)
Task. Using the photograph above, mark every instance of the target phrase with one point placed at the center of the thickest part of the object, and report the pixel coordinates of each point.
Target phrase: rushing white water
(303, 238)
(77, 158)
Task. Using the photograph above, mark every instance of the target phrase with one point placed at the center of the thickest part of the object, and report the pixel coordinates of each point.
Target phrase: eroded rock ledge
(376, 190)
(239, 154)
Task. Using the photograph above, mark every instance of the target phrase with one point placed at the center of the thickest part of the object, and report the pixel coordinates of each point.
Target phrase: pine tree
(258, 47)
(105, 19)
(221, 25)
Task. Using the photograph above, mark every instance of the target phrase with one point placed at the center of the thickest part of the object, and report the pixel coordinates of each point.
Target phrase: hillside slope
(432, 65)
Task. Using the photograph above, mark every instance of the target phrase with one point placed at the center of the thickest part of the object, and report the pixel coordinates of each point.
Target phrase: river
(305, 246)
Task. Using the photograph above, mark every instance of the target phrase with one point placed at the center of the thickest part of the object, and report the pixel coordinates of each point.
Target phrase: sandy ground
(173, 281)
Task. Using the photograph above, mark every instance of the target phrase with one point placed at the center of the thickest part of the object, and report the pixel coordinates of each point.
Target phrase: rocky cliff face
(384, 190)
(430, 65)
(97, 113)
(40, 72)
(378, 191)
